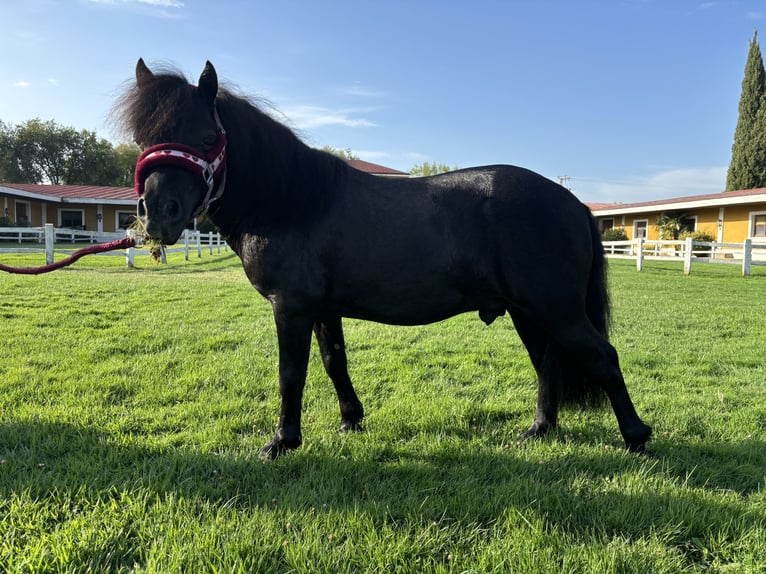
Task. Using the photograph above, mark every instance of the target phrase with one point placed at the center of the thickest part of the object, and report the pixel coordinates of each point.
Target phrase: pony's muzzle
(162, 217)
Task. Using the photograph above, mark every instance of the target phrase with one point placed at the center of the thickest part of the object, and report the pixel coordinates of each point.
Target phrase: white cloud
(694, 180)
(158, 3)
(416, 157)
(53, 82)
(373, 156)
(163, 3)
(359, 91)
(22, 84)
(660, 185)
(309, 117)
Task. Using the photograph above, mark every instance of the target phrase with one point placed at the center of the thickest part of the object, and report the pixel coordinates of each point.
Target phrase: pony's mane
(150, 114)
(286, 180)
(293, 181)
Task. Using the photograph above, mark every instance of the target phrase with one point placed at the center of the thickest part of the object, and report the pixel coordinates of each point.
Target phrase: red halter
(209, 165)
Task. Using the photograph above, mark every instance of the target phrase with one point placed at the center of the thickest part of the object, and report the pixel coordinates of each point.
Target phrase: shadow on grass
(215, 262)
(144, 263)
(584, 492)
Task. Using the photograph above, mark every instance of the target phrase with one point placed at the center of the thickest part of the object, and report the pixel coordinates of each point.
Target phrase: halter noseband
(210, 165)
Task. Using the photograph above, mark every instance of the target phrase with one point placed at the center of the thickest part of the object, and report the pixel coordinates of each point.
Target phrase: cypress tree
(747, 169)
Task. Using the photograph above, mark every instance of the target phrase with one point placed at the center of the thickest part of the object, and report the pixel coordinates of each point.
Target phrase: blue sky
(631, 99)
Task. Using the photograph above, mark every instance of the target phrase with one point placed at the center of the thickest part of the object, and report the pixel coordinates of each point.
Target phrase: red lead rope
(100, 248)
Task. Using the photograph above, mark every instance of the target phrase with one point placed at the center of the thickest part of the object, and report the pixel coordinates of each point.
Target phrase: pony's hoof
(271, 451)
(637, 442)
(277, 447)
(347, 426)
(638, 448)
(537, 430)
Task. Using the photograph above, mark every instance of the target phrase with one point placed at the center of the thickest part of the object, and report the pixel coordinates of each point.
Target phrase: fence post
(747, 256)
(688, 250)
(50, 240)
(640, 254)
(130, 252)
(186, 244)
(199, 243)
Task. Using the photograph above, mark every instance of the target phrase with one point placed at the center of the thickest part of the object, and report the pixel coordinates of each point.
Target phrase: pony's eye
(209, 140)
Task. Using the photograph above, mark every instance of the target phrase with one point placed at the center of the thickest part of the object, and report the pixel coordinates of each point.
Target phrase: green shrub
(699, 235)
(614, 234)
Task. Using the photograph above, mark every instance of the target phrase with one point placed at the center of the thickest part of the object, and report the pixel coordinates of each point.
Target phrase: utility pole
(564, 181)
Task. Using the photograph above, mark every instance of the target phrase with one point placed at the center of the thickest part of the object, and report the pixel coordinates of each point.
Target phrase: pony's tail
(577, 389)
(597, 304)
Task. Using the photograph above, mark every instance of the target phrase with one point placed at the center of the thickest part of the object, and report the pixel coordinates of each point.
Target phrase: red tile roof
(660, 203)
(596, 206)
(73, 192)
(374, 168)
(96, 192)
(686, 199)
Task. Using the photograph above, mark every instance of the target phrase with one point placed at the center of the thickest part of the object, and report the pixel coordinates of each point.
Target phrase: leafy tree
(342, 153)
(126, 156)
(41, 151)
(95, 163)
(426, 168)
(5, 152)
(45, 152)
(748, 153)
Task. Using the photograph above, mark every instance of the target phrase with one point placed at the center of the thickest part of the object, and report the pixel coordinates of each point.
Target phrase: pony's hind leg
(598, 361)
(548, 372)
(329, 336)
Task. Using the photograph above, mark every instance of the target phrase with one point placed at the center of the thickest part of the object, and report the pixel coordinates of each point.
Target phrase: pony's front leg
(294, 337)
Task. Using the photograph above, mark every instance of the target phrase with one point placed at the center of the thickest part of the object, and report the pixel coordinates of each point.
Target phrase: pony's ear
(143, 74)
(208, 83)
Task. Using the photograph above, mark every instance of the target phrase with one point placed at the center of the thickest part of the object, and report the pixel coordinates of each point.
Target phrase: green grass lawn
(133, 404)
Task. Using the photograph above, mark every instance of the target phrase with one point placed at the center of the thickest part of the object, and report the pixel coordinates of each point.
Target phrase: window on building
(689, 224)
(22, 212)
(607, 224)
(72, 218)
(759, 225)
(125, 219)
(640, 228)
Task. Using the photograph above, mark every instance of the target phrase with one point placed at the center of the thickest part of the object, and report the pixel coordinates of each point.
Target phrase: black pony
(322, 241)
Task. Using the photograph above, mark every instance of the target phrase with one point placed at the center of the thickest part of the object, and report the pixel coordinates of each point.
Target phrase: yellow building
(729, 217)
(91, 208)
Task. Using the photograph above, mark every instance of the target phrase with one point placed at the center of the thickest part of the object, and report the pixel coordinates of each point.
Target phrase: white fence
(64, 234)
(745, 254)
(189, 240)
(47, 236)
